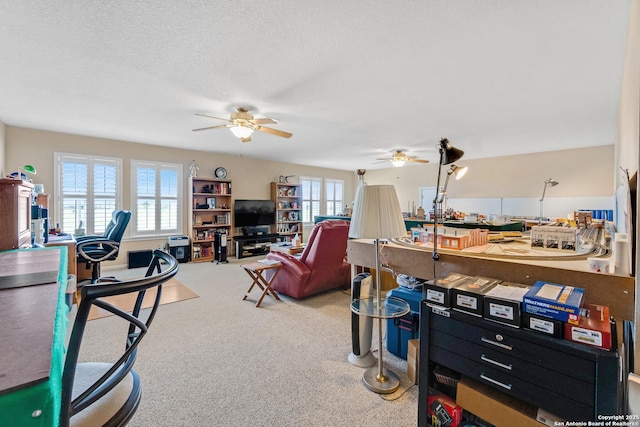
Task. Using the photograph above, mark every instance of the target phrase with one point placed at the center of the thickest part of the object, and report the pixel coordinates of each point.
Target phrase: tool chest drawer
(519, 343)
(571, 380)
(545, 377)
(554, 402)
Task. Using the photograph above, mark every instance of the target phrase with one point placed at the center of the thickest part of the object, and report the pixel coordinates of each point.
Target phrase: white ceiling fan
(399, 158)
(242, 124)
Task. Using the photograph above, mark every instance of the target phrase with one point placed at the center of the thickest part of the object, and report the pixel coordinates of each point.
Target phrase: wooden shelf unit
(205, 221)
(288, 198)
(15, 214)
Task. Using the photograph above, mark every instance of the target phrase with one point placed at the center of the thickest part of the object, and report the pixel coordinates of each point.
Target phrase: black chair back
(92, 250)
(162, 268)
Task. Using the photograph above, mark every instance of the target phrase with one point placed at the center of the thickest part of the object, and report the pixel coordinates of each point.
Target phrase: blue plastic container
(402, 329)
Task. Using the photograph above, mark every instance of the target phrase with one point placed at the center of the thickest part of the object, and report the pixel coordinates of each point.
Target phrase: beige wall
(2, 149)
(251, 178)
(581, 172)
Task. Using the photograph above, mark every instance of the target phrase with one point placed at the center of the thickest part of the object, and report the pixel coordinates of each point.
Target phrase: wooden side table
(255, 270)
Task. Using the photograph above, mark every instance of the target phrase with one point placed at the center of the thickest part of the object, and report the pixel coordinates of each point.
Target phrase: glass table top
(390, 307)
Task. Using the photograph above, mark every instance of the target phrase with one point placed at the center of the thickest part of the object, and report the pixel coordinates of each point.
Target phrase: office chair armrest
(80, 239)
(107, 248)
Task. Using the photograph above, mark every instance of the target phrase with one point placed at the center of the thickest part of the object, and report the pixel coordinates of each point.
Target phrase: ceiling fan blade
(263, 121)
(212, 117)
(212, 127)
(418, 161)
(274, 131)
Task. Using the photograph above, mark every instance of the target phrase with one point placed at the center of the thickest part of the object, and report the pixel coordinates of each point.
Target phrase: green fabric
(16, 408)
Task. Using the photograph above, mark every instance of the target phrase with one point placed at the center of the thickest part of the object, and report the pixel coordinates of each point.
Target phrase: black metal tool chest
(573, 381)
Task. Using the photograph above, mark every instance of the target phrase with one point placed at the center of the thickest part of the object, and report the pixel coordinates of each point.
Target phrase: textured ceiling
(352, 80)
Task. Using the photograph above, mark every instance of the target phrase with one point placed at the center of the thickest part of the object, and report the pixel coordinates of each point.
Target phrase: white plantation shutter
(334, 195)
(89, 189)
(311, 198)
(157, 189)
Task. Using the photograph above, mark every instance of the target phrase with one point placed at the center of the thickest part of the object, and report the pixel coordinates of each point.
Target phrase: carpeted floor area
(217, 360)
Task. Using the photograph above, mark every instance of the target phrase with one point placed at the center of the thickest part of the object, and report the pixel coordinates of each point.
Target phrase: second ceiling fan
(399, 158)
(242, 124)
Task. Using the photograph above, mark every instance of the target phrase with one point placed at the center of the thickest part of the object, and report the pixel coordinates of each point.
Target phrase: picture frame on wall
(211, 201)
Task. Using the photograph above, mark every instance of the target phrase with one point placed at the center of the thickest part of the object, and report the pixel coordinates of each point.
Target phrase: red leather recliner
(320, 267)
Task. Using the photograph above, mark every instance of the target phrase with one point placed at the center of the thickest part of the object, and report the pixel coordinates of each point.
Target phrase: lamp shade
(377, 213)
(449, 153)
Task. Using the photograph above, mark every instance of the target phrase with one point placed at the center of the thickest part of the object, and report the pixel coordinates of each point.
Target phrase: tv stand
(254, 244)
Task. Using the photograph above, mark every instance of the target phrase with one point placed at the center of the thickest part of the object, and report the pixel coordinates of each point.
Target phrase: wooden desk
(70, 242)
(33, 334)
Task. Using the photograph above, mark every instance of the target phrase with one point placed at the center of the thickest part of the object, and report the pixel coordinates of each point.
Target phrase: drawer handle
(494, 362)
(488, 341)
(496, 382)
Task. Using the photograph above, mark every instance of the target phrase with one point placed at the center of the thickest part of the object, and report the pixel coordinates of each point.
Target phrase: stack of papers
(268, 261)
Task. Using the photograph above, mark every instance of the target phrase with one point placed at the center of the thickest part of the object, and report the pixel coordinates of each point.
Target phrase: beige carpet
(218, 361)
(172, 291)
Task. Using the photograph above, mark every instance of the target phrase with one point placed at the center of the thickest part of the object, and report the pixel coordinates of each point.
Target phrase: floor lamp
(448, 155)
(547, 183)
(377, 215)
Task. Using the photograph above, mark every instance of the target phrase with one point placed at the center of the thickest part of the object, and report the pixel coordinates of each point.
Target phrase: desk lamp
(460, 172)
(448, 155)
(547, 183)
(377, 215)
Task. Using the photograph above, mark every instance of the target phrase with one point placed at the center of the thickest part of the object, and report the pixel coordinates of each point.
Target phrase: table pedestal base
(388, 383)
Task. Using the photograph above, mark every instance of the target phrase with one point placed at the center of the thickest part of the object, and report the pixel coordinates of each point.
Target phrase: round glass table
(390, 307)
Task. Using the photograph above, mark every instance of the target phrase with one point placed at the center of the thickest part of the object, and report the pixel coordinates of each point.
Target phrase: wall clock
(221, 172)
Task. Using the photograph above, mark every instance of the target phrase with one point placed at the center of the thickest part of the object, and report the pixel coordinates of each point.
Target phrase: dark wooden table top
(27, 316)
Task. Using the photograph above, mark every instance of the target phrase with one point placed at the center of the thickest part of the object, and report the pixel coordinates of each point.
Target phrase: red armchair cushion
(320, 267)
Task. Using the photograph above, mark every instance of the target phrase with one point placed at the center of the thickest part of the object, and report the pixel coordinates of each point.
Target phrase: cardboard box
(467, 296)
(494, 406)
(503, 303)
(553, 300)
(413, 360)
(443, 409)
(543, 324)
(593, 328)
(547, 418)
(439, 293)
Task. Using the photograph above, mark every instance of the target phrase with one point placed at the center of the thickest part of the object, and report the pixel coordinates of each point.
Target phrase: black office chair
(92, 250)
(108, 394)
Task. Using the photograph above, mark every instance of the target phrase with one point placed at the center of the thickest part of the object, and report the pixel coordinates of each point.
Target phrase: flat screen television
(247, 213)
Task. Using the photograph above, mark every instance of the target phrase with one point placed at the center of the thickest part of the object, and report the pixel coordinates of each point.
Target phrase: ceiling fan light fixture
(397, 163)
(241, 131)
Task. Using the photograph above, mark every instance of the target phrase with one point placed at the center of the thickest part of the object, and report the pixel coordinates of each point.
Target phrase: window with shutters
(88, 190)
(156, 192)
(311, 198)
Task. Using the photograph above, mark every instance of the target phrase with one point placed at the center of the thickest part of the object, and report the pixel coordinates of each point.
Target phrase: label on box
(553, 300)
(501, 311)
(586, 336)
(541, 325)
(467, 301)
(435, 296)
